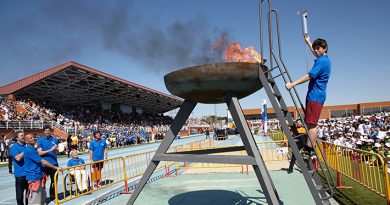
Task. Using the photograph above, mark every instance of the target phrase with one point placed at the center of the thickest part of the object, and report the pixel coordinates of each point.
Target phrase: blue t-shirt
(32, 163)
(19, 169)
(97, 149)
(75, 162)
(46, 144)
(319, 76)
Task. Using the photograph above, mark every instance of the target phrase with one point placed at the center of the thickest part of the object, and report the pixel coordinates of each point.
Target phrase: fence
(112, 171)
(366, 168)
(80, 180)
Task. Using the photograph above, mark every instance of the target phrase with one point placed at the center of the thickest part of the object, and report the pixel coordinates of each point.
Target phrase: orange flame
(233, 52)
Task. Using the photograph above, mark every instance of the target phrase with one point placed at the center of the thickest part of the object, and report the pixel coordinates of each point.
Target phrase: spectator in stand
(17, 154)
(79, 172)
(97, 152)
(48, 149)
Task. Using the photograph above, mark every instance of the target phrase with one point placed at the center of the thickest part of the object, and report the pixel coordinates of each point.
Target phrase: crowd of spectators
(118, 128)
(7, 111)
(367, 133)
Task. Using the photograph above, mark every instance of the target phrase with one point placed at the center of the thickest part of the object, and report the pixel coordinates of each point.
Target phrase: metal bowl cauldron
(211, 83)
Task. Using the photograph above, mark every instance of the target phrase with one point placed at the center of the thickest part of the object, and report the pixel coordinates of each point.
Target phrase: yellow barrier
(277, 136)
(97, 175)
(120, 169)
(366, 168)
(270, 151)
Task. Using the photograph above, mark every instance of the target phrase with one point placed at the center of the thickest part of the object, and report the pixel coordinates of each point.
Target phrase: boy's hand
(307, 39)
(289, 86)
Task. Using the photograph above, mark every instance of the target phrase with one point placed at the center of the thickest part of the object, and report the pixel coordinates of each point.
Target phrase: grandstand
(71, 85)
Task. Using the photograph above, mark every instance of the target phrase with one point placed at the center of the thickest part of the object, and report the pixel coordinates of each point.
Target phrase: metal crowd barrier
(67, 187)
(368, 169)
(277, 136)
(115, 170)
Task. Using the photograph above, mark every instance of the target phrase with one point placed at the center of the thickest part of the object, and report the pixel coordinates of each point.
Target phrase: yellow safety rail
(366, 168)
(278, 136)
(270, 151)
(67, 187)
(120, 169)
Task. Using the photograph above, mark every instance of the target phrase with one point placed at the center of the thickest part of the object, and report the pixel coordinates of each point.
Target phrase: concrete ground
(221, 189)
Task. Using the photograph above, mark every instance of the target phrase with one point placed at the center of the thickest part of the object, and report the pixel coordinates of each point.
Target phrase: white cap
(359, 142)
(387, 145)
(377, 145)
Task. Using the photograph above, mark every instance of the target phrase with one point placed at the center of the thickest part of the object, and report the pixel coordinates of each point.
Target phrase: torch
(304, 14)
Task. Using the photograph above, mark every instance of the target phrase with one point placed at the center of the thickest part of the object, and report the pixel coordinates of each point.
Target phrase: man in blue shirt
(35, 175)
(97, 151)
(17, 154)
(47, 149)
(316, 94)
(78, 172)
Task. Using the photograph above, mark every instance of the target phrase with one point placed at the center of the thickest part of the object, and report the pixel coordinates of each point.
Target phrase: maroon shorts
(313, 112)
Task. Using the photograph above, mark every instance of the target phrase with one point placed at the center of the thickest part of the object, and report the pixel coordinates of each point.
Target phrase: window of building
(371, 110)
(386, 108)
(338, 113)
(351, 112)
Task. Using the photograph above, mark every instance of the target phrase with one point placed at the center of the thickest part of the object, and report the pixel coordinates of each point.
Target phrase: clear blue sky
(142, 40)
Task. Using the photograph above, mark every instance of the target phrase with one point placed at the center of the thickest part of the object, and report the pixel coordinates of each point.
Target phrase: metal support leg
(177, 124)
(252, 149)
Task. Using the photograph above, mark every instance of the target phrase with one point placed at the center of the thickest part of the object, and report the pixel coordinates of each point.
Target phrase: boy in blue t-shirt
(97, 152)
(318, 77)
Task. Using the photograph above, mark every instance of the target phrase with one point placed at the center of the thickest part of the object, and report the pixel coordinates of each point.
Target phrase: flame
(232, 51)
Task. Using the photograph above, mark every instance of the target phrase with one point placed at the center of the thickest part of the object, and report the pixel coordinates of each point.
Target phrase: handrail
(285, 71)
(282, 72)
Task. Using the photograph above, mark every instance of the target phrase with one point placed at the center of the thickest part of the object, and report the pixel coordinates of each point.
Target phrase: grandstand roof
(73, 83)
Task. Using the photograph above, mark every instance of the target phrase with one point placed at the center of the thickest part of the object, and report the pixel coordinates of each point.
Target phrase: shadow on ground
(215, 197)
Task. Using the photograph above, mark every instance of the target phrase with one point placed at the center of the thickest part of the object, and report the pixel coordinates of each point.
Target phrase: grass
(358, 194)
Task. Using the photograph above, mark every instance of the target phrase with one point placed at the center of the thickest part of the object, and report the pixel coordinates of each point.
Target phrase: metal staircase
(321, 192)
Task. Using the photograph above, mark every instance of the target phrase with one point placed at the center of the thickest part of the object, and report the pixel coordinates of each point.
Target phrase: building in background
(333, 111)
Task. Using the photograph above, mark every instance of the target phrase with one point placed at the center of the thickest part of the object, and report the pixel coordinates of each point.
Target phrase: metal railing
(114, 171)
(367, 168)
(77, 181)
(24, 124)
(51, 122)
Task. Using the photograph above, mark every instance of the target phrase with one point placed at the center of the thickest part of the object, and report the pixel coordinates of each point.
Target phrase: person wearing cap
(387, 137)
(318, 77)
(321, 130)
(386, 151)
